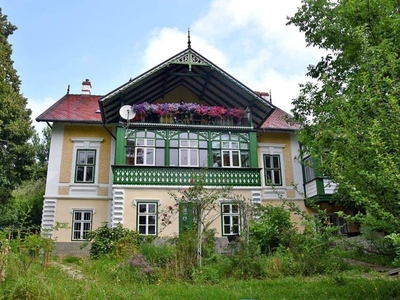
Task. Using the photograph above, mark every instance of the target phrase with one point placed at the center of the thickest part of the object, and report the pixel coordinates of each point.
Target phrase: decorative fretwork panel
(173, 176)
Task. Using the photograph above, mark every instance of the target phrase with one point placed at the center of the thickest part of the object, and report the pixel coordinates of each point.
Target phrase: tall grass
(113, 279)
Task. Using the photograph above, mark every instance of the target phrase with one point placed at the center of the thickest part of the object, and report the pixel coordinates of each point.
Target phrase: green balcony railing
(175, 176)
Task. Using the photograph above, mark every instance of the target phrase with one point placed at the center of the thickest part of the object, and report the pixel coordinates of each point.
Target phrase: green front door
(187, 216)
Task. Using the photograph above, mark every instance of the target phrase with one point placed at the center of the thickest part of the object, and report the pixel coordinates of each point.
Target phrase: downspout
(104, 125)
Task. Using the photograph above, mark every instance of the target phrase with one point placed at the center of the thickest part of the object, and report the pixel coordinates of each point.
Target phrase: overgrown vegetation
(349, 111)
(150, 273)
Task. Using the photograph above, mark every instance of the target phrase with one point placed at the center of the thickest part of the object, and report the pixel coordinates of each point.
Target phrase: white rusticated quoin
(49, 216)
(117, 207)
(256, 197)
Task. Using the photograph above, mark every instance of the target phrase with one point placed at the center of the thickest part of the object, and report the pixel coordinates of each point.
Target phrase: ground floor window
(230, 219)
(81, 224)
(147, 218)
(334, 220)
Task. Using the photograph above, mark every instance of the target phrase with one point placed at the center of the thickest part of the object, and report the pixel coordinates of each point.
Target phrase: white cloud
(167, 42)
(38, 106)
(248, 39)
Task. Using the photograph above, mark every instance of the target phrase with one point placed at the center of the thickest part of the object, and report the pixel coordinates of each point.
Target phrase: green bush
(114, 241)
(273, 228)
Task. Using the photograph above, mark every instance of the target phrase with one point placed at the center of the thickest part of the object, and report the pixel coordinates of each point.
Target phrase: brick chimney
(86, 87)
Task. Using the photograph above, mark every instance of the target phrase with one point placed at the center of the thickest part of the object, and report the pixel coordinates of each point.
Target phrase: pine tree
(16, 153)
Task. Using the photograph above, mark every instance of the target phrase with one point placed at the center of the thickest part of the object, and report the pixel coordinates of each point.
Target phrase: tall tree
(350, 110)
(41, 148)
(16, 153)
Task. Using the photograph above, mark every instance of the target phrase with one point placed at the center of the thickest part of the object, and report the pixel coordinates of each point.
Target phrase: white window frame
(309, 170)
(146, 214)
(231, 215)
(190, 147)
(231, 148)
(81, 231)
(148, 144)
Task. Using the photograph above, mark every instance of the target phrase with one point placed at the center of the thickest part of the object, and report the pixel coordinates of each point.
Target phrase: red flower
(170, 207)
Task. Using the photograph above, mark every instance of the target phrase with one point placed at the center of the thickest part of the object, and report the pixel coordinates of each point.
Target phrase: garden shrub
(273, 228)
(186, 259)
(117, 241)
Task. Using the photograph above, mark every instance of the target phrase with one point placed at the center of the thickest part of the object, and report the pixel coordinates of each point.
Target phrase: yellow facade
(281, 138)
(64, 215)
(67, 155)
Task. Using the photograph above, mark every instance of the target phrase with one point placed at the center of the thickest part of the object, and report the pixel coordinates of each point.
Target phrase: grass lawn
(105, 283)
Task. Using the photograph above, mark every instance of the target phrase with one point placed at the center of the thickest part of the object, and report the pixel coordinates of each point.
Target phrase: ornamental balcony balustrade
(192, 119)
(182, 176)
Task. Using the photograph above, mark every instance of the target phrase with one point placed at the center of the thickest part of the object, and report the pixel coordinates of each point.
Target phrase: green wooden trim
(120, 146)
(190, 216)
(319, 198)
(76, 166)
(253, 153)
(178, 176)
(273, 169)
(320, 186)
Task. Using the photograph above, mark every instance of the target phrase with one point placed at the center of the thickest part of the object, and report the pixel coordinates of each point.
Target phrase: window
(189, 153)
(334, 220)
(85, 163)
(188, 149)
(272, 169)
(147, 218)
(145, 148)
(144, 152)
(309, 171)
(230, 150)
(81, 224)
(230, 219)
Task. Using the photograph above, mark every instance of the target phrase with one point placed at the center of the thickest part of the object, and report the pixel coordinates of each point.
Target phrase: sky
(63, 42)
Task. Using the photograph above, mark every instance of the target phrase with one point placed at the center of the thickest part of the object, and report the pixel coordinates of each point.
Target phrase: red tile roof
(277, 121)
(73, 108)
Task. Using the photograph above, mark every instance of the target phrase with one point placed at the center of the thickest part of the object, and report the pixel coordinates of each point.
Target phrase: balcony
(190, 114)
(178, 176)
(195, 120)
(319, 189)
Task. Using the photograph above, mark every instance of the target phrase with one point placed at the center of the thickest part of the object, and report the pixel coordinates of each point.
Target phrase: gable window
(272, 169)
(147, 218)
(230, 219)
(81, 224)
(85, 166)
